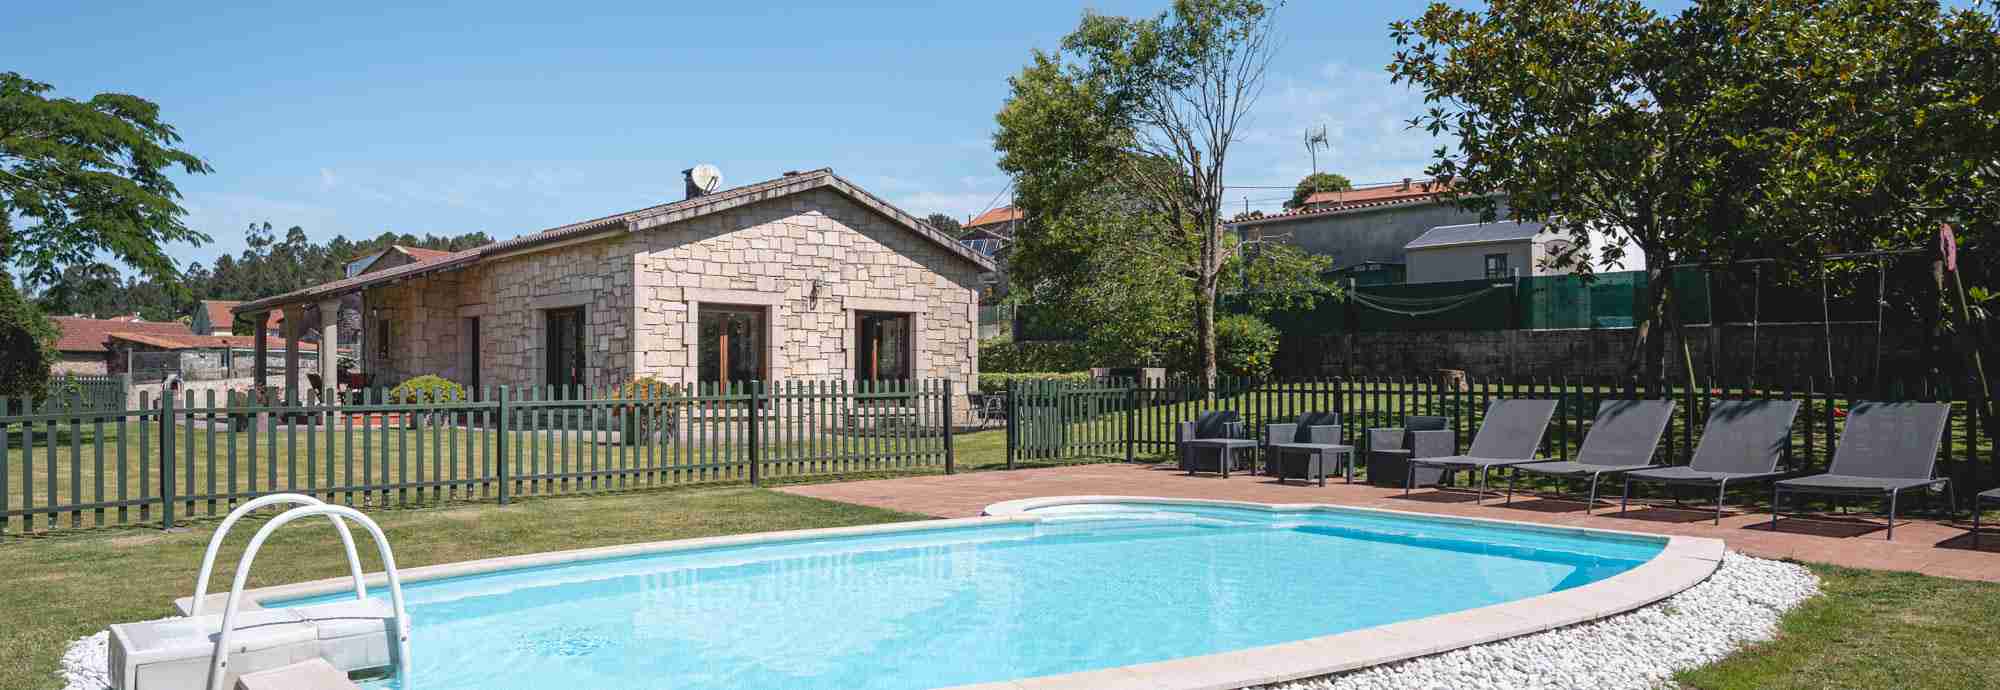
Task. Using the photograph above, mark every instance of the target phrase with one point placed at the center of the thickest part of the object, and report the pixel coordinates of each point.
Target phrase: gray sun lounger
(1509, 435)
(1742, 442)
(1622, 438)
(1981, 499)
(1885, 449)
(1211, 442)
(1306, 448)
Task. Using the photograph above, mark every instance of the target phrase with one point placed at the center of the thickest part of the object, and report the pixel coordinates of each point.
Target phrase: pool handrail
(220, 659)
(222, 531)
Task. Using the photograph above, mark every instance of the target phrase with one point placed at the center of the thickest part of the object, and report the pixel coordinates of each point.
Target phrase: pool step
(174, 654)
(314, 674)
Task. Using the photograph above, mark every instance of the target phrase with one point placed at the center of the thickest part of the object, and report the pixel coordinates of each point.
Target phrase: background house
(990, 234)
(84, 344)
(803, 277)
(1501, 249)
(213, 317)
(1364, 230)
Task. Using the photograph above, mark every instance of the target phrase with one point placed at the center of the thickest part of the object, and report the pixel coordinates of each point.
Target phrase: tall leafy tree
(944, 223)
(1315, 183)
(88, 177)
(1152, 105)
(1735, 128)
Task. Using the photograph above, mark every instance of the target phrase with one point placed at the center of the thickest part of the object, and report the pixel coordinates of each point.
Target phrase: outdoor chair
(1742, 442)
(1977, 501)
(1622, 438)
(1510, 434)
(1885, 449)
(1212, 442)
(1307, 448)
(1391, 448)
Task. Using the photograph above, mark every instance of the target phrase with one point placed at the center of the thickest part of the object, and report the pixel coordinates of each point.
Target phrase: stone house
(1504, 249)
(83, 345)
(1363, 230)
(803, 277)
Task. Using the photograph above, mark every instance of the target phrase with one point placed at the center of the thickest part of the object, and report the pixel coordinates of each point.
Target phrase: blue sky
(510, 117)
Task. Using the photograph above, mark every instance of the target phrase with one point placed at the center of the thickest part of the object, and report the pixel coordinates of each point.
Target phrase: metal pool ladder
(307, 507)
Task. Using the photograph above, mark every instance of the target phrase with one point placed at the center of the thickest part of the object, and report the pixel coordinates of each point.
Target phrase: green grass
(1870, 630)
(1873, 629)
(62, 588)
(92, 465)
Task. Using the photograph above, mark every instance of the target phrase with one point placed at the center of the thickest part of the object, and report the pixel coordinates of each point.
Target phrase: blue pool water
(1090, 586)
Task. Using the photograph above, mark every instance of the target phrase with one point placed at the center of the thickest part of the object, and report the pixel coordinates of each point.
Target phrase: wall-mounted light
(812, 294)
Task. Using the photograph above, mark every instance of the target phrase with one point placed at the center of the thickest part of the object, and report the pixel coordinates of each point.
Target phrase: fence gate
(1053, 419)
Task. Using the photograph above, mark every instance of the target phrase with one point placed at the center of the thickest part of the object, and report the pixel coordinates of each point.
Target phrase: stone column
(261, 370)
(329, 345)
(295, 321)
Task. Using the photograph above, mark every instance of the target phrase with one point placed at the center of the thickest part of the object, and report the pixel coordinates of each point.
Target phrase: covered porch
(316, 312)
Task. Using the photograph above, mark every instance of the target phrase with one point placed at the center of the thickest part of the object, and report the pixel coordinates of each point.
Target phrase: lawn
(120, 461)
(1871, 629)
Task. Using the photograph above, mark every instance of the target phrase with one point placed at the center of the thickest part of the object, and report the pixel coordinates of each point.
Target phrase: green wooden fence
(70, 464)
(1114, 419)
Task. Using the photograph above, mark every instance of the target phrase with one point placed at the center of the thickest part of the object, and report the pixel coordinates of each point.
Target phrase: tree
(1317, 182)
(1735, 128)
(1154, 106)
(944, 223)
(27, 344)
(87, 177)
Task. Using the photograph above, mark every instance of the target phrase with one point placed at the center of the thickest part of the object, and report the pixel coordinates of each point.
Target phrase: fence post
(1013, 421)
(756, 477)
(1131, 418)
(167, 461)
(950, 456)
(500, 443)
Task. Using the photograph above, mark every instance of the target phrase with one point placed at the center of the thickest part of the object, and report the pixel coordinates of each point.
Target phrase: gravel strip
(84, 664)
(1641, 649)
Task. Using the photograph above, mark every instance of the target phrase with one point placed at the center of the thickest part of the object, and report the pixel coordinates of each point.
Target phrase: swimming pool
(1052, 588)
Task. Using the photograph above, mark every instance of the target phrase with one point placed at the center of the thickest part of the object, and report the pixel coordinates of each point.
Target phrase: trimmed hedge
(1006, 356)
(998, 382)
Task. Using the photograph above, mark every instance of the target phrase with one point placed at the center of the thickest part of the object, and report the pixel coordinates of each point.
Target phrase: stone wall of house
(642, 293)
(769, 255)
(81, 363)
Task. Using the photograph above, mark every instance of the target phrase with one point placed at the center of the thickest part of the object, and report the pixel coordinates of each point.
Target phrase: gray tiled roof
(631, 221)
(1476, 233)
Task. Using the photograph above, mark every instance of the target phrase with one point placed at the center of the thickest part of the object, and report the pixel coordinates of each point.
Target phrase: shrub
(997, 382)
(646, 388)
(1006, 356)
(27, 345)
(426, 389)
(1245, 346)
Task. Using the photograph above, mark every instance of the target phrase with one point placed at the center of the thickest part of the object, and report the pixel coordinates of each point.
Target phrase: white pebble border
(85, 665)
(1737, 605)
(1641, 649)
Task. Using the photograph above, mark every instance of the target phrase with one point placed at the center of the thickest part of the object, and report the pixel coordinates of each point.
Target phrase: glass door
(732, 345)
(564, 347)
(883, 350)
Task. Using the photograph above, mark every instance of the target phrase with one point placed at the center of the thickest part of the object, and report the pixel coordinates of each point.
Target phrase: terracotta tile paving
(1921, 546)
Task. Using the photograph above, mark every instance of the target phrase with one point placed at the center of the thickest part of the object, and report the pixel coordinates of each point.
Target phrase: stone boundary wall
(1781, 352)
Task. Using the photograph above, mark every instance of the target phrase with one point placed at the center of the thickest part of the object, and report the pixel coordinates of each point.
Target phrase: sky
(510, 117)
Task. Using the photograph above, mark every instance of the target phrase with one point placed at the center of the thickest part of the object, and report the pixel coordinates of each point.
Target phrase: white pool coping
(1681, 563)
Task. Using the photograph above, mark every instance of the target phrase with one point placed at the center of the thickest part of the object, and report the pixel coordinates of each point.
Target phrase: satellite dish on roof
(705, 177)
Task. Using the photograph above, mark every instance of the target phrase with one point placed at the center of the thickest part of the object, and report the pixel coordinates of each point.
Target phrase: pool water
(1087, 587)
